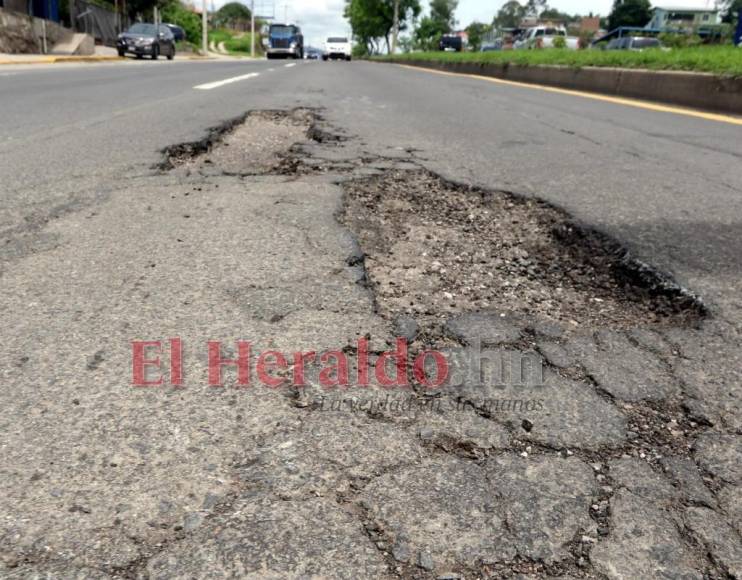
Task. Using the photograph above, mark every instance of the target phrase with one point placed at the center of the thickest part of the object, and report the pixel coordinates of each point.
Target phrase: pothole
(434, 249)
(254, 144)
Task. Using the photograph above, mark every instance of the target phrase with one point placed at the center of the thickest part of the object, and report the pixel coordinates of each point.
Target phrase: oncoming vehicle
(284, 41)
(147, 39)
(337, 47)
(451, 43)
(633, 43)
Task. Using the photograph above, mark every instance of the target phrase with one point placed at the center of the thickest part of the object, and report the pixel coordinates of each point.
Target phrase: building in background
(676, 18)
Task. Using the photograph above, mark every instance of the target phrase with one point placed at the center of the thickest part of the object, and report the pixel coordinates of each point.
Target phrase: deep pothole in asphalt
(256, 143)
(433, 249)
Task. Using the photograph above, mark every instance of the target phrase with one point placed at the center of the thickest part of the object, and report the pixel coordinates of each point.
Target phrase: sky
(322, 18)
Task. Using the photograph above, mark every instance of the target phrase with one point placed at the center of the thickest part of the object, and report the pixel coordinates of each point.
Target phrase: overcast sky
(322, 18)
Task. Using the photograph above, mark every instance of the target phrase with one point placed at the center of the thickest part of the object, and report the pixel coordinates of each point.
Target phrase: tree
(630, 13)
(372, 20)
(233, 15)
(730, 10)
(442, 13)
(428, 33)
(558, 16)
(476, 32)
(174, 12)
(535, 7)
(440, 21)
(510, 15)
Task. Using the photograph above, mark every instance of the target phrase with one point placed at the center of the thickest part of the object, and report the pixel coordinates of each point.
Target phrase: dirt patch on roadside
(434, 249)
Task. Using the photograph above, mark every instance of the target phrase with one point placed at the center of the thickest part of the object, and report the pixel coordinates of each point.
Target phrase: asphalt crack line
(229, 81)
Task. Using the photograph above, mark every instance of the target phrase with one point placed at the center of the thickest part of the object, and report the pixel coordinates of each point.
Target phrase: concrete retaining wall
(23, 34)
(687, 89)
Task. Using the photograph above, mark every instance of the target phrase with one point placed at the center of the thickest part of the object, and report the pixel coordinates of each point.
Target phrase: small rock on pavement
(425, 561)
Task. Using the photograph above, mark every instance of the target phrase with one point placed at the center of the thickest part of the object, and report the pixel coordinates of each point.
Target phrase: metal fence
(103, 24)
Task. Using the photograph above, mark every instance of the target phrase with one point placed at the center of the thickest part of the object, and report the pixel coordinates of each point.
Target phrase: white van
(337, 47)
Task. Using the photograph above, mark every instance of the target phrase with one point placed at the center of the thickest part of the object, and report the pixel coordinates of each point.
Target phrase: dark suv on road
(147, 39)
(284, 41)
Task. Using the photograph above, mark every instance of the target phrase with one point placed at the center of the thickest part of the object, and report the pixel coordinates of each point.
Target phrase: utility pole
(204, 30)
(395, 27)
(252, 29)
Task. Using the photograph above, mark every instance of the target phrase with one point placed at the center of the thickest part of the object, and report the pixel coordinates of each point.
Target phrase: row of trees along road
(377, 23)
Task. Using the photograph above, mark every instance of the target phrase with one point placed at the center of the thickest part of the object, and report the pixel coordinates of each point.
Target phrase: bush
(360, 50)
(560, 42)
(243, 44)
(176, 13)
(675, 40)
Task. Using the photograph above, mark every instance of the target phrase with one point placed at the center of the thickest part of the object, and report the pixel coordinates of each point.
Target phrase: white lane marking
(217, 84)
(271, 69)
(290, 65)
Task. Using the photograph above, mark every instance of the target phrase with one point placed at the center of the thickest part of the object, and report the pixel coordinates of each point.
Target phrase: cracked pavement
(287, 229)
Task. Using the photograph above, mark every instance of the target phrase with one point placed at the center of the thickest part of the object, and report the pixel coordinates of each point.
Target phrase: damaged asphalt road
(299, 229)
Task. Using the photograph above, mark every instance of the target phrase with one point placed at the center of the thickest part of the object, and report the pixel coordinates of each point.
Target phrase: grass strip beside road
(720, 60)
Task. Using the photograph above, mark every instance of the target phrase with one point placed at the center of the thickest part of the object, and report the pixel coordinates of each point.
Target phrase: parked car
(177, 31)
(493, 46)
(147, 39)
(633, 43)
(337, 47)
(544, 36)
(451, 43)
(284, 41)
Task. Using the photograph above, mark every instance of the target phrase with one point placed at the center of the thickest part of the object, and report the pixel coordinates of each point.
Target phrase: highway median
(704, 78)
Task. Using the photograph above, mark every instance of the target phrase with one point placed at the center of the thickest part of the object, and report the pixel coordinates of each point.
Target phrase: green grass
(723, 60)
(220, 35)
(237, 46)
(242, 45)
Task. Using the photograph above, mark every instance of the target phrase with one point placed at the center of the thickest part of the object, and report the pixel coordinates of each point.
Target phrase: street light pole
(204, 30)
(252, 29)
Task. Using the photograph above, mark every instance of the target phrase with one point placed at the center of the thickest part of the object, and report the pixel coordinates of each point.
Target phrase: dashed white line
(290, 65)
(217, 84)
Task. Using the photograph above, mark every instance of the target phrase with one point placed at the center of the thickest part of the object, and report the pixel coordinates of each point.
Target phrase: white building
(684, 17)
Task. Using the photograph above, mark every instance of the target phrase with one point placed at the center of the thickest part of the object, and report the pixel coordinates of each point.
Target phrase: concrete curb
(62, 59)
(56, 59)
(688, 89)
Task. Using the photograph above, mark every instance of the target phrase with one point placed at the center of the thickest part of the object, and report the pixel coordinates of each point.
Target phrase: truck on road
(284, 41)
